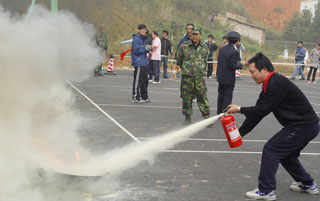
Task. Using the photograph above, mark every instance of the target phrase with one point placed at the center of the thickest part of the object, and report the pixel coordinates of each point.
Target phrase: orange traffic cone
(238, 74)
(110, 69)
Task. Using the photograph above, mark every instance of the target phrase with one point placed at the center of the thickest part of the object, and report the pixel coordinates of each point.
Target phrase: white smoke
(38, 127)
(39, 140)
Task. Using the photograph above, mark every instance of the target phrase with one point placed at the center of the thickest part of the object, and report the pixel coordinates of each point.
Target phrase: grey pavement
(196, 170)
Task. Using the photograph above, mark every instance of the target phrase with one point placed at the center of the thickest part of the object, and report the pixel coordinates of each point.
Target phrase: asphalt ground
(202, 168)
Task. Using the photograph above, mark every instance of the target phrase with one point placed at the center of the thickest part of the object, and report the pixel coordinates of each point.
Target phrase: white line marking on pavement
(219, 140)
(310, 92)
(313, 97)
(103, 112)
(228, 152)
(97, 85)
(315, 104)
(146, 106)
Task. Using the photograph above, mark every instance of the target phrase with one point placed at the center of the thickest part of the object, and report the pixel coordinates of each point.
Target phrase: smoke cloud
(38, 126)
(39, 146)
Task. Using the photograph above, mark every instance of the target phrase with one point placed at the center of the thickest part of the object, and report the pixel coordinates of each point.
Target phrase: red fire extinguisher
(231, 130)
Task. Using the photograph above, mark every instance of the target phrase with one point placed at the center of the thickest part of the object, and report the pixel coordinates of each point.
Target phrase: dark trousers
(210, 68)
(285, 147)
(140, 83)
(149, 69)
(164, 61)
(225, 94)
(156, 70)
(314, 73)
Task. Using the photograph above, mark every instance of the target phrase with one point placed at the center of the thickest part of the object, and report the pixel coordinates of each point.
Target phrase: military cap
(233, 35)
(196, 29)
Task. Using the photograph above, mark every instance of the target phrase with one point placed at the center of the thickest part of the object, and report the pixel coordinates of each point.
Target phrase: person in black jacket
(300, 125)
(228, 61)
(212, 46)
(165, 50)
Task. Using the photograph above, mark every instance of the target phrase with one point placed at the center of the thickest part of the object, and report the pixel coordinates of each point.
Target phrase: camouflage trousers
(194, 87)
(99, 67)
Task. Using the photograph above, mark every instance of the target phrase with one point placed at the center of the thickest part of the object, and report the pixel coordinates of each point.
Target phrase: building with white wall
(309, 5)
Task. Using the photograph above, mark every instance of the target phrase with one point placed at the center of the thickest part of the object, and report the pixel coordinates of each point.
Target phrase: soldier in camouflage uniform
(102, 42)
(192, 58)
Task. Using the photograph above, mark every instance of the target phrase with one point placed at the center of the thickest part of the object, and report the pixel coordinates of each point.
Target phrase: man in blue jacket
(300, 53)
(139, 62)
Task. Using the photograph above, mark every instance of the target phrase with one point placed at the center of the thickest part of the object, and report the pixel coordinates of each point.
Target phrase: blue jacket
(301, 54)
(185, 38)
(139, 52)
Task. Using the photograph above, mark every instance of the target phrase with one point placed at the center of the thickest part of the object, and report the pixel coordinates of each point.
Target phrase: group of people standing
(151, 52)
(301, 56)
(278, 95)
(148, 53)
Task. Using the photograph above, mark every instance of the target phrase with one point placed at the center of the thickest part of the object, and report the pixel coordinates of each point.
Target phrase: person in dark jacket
(148, 42)
(187, 36)
(228, 61)
(300, 125)
(184, 39)
(212, 46)
(300, 53)
(139, 62)
(165, 50)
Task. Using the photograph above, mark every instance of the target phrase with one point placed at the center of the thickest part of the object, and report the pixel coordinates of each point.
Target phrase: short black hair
(300, 42)
(189, 25)
(261, 62)
(142, 26)
(210, 36)
(233, 41)
(155, 33)
(165, 31)
(224, 37)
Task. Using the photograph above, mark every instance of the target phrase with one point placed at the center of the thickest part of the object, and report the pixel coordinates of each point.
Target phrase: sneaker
(299, 187)
(309, 81)
(302, 78)
(154, 82)
(150, 80)
(141, 101)
(292, 78)
(257, 195)
(314, 82)
(165, 77)
(134, 100)
(147, 100)
(210, 77)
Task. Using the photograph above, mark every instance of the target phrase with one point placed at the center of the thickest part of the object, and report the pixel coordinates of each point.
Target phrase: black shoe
(165, 77)
(98, 74)
(292, 78)
(187, 121)
(302, 78)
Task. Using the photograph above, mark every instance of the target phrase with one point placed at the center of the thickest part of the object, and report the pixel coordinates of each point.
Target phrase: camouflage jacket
(101, 39)
(191, 59)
